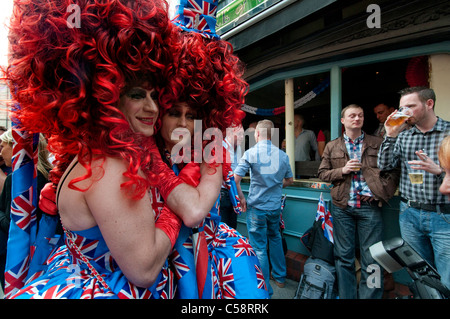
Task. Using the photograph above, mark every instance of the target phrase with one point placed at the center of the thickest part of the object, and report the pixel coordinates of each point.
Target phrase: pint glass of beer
(415, 176)
(399, 117)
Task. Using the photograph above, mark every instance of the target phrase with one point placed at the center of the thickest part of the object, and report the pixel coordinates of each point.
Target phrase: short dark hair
(423, 92)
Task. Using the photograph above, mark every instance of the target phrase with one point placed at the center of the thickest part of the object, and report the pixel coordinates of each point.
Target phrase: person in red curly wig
(206, 84)
(88, 75)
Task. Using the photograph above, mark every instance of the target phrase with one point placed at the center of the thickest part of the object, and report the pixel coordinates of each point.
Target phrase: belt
(442, 208)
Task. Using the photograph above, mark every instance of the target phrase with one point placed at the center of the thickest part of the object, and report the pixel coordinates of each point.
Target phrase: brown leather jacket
(382, 184)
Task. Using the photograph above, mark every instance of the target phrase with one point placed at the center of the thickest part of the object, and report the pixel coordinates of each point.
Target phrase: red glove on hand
(190, 174)
(169, 223)
(47, 199)
(167, 178)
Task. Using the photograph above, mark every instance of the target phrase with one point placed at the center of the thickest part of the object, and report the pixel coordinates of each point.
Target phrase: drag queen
(92, 88)
(206, 84)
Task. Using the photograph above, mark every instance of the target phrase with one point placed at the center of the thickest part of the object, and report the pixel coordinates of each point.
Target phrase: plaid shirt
(394, 152)
(358, 186)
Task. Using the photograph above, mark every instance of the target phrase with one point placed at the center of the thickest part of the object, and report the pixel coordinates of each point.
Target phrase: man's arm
(237, 179)
(288, 181)
(388, 154)
(240, 172)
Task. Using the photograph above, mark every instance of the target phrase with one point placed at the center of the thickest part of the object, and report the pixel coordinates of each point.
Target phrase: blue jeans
(365, 222)
(428, 233)
(264, 226)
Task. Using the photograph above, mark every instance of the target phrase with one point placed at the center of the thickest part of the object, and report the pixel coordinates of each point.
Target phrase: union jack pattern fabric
(260, 278)
(232, 268)
(22, 232)
(197, 16)
(324, 215)
(68, 276)
(232, 263)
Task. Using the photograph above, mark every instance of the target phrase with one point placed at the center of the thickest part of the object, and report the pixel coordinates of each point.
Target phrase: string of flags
(298, 103)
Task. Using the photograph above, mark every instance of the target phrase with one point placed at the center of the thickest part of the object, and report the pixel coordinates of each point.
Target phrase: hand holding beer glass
(415, 176)
(415, 169)
(357, 163)
(399, 117)
(394, 123)
(352, 166)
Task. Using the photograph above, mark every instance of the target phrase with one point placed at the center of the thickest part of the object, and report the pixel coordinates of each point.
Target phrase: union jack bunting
(327, 220)
(197, 16)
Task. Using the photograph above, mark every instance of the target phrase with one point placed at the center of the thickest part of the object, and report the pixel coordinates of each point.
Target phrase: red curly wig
(209, 78)
(67, 80)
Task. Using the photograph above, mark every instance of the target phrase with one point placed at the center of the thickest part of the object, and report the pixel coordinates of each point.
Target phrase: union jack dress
(68, 276)
(232, 271)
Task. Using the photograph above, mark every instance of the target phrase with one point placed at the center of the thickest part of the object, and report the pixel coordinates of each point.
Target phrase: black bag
(317, 280)
(317, 244)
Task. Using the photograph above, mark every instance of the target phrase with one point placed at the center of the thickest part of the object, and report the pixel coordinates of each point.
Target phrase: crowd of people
(113, 98)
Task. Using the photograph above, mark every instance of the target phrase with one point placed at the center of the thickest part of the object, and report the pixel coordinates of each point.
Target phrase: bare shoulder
(75, 205)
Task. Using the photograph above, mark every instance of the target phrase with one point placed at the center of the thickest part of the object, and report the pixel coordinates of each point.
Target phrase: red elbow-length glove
(47, 199)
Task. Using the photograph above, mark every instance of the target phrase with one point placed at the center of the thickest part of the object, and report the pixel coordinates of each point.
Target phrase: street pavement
(288, 292)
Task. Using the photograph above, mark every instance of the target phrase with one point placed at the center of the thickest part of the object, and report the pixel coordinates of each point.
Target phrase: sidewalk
(288, 292)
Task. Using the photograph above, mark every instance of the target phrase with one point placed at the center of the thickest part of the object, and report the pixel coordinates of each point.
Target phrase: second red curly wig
(208, 76)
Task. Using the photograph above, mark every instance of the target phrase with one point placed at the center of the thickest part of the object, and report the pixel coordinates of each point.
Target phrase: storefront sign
(239, 11)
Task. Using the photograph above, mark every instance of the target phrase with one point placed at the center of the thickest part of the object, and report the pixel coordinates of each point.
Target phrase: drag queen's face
(140, 108)
(179, 116)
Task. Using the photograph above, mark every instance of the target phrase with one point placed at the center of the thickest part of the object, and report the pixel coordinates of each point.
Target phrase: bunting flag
(298, 103)
(23, 225)
(324, 215)
(197, 16)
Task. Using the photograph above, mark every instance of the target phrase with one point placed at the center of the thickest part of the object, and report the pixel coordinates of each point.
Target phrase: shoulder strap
(62, 183)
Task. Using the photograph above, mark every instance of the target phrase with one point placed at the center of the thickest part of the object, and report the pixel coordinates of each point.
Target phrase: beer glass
(415, 176)
(399, 117)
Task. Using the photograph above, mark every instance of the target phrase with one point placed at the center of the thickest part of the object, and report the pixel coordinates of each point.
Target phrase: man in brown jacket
(359, 190)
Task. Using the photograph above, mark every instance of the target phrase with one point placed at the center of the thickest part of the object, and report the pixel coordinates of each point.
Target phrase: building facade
(314, 57)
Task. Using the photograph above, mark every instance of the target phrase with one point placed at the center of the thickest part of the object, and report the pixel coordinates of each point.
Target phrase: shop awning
(270, 20)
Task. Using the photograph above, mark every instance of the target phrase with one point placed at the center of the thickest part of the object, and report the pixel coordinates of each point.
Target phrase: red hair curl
(68, 80)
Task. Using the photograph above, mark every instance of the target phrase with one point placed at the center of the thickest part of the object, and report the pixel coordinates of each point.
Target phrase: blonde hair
(43, 164)
(444, 153)
(351, 106)
(7, 137)
(265, 128)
